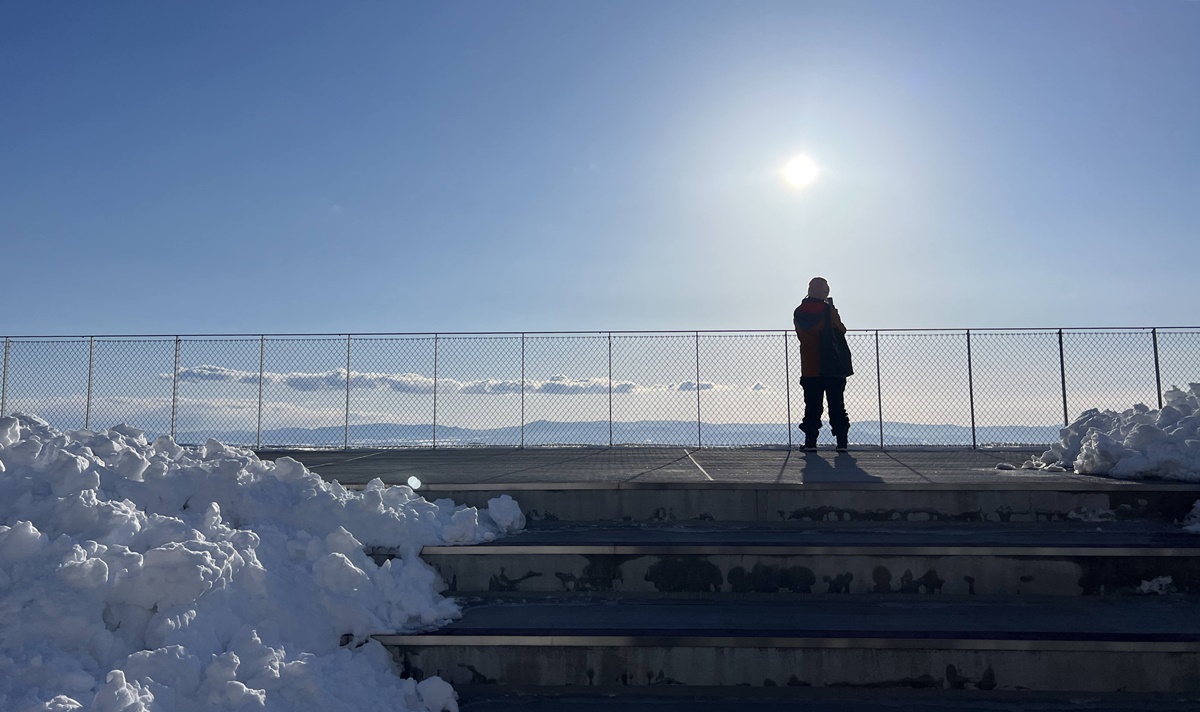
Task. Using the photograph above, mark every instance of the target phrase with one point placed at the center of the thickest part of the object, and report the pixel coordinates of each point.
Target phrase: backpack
(835, 351)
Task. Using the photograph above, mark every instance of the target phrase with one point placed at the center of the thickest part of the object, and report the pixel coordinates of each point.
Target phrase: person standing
(824, 364)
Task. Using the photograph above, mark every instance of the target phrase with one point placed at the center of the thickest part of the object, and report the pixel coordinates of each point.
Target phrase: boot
(842, 443)
(810, 441)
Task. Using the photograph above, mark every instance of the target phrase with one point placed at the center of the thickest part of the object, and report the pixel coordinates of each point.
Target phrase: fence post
(879, 388)
(262, 354)
(87, 410)
(522, 389)
(1157, 372)
(346, 440)
(610, 434)
(435, 392)
(787, 385)
(1062, 375)
(4, 380)
(699, 439)
(175, 390)
(971, 390)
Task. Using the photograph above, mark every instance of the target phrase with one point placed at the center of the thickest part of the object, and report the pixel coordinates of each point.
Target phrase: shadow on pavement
(842, 468)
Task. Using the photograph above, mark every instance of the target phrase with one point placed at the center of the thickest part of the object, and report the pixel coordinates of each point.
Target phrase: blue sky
(193, 167)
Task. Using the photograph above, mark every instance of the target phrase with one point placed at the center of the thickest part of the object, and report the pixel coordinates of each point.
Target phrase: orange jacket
(809, 319)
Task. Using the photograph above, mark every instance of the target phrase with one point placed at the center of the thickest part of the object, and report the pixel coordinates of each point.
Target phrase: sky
(318, 167)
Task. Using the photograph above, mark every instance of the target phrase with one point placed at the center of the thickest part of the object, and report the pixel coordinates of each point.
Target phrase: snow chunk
(506, 514)
(1160, 586)
(437, 695)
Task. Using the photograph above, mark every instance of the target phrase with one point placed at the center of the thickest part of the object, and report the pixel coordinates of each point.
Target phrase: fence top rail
(434, 334)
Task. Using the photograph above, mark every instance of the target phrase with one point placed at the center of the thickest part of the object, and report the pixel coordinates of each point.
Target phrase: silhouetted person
(824, 364)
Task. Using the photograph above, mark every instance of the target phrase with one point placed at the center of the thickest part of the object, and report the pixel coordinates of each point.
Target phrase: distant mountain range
(642, 432)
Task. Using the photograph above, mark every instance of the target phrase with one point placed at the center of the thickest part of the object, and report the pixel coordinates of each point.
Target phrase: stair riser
(646, 667)
(796, 506)
(812, 574)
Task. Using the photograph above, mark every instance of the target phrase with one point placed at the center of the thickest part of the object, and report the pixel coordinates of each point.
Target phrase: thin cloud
(415, 383)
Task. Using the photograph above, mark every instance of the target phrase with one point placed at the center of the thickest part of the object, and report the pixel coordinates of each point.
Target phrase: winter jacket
(809, 319)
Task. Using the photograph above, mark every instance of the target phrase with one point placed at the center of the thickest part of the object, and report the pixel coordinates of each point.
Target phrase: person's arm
(837, 320)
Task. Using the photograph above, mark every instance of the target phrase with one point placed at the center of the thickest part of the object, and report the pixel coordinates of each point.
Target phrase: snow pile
(1159, 586)
(1191, 523)
(140, 576)
(1137, 443)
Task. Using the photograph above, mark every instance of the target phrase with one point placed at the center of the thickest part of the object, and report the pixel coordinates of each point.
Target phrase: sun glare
(800, 171)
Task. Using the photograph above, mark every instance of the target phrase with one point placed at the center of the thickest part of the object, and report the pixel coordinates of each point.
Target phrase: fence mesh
(1179, 358)
(392, 393)
(1017, 387)
(218, 392)
(942, 388)
(304, 392)
(1108, 370)
(479, 390)
(655, 390)
(567, 390)
(926, 399)
(49, 378)
(132, 383)
(747, 403)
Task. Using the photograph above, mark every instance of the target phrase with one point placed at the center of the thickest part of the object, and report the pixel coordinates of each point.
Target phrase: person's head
(818, 288)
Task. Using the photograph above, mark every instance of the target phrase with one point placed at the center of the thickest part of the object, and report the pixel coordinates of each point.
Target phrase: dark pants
(817, 389)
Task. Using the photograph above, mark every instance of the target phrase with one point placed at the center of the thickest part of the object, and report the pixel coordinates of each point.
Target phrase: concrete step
(1089, 645)
(671, 698)
(1063, 559)
(787, 503)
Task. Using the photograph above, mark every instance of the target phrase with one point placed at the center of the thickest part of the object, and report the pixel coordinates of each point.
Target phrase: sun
(801, 171)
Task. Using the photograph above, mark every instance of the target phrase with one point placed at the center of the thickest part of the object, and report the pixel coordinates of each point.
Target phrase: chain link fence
(949, 388)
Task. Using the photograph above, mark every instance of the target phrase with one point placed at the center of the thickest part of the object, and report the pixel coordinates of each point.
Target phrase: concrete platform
(629, 466)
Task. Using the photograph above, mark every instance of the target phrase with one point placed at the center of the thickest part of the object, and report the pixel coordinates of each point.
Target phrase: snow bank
(1138, 443)
(145, 576)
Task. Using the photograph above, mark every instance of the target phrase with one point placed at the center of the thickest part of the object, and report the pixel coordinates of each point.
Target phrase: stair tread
(1166, 618)
(676, 698)
(1074, 535)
